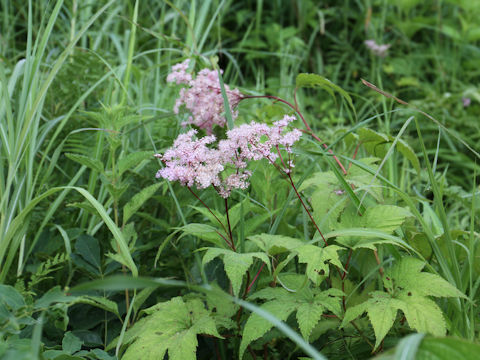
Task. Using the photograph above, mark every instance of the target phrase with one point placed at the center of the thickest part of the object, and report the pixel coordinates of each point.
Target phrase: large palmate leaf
(407, 290)
(235, 264)
(308, 303)
(170, 327)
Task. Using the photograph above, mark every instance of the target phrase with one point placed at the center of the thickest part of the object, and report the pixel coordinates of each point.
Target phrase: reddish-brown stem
(252, 353)
(347, 263)
(229, 227)
(305, 207)
(343, 279)
(211, 212)
(254, 279)
(217, 351)
(309, 129)
(281, 159)
(354, 154)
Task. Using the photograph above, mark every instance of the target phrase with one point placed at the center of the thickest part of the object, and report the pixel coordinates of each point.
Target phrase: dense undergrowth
(329, 212)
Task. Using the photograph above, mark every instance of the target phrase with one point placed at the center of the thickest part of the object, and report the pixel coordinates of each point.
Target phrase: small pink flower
(378, 50)
(466, 101)
(179, 73)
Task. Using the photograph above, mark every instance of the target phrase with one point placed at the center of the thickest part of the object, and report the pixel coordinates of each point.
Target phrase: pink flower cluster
(193, 162)
(202, 97)
(377, 49)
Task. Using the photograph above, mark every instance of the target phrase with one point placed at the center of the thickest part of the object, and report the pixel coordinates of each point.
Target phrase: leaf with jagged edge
(407, 290)
(309, 313)
(365, 180)
(235, 264)
(379, 218)
(327, 199)
(275, 244)
(381, 309)
(317, 259)
(170, 327)
(423, 315)
(386, 218)
(89, 162)
(408, 278)
(256, 326)
(308, 303)
(222, 308)
(204, 232)
(132, 160)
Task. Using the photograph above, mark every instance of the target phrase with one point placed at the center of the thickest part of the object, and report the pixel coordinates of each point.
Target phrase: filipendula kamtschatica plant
(314, 283)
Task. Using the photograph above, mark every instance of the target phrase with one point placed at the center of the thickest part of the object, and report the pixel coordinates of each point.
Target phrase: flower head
(192, 162)
(202, 97)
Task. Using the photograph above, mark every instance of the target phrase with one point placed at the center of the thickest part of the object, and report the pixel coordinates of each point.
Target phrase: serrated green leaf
(275, 244)
(117, 190)
(360, 178)
(386, 218)
(408, 278)
(256, 326)
(354, 312)
(317, 260)
(270, 293)
(131, 160)
(308, 315)
(407, 289)
(354, 238)
(138, 200)
(170, 327)
(330, 300)
(309, 307)
(204, 232)
(314, 80)
(423, 315)
(222, 309)
(89, 162)
(381, 309)
(328, 199)
(99, 302)
(235, 264)
(205, 212)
